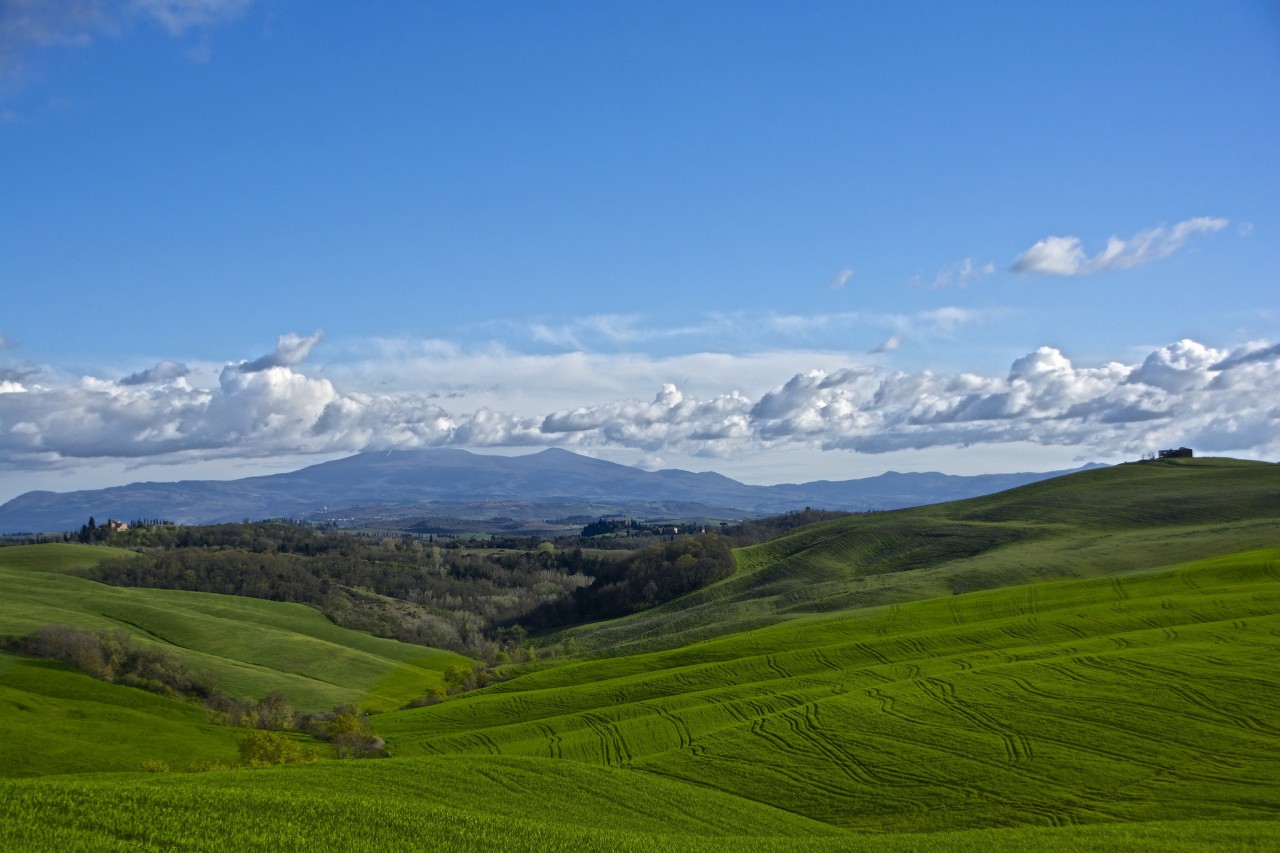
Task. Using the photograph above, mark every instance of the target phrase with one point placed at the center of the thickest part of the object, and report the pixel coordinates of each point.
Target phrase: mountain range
(406, 484)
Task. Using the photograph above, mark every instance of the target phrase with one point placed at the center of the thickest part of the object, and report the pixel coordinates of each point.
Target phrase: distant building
(114, 526)
(1180, 453)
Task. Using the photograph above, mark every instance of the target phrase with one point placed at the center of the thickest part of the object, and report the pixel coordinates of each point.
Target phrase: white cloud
(291, 350)
(893, 342)
(961, 274)
(178, 16)
(1183, 393)
(1066, 256)
(841, 279)
(4, 341)
(1258, 351)
(27, 25)
(165, 371)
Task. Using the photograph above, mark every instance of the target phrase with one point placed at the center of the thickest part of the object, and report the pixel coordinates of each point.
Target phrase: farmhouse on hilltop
(1180, 453)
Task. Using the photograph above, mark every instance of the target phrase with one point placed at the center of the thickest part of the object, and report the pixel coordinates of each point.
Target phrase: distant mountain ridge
(458, 482)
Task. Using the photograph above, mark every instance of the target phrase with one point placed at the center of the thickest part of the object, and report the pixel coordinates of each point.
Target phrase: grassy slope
(1123, 707)
(1143, 698)
(1101, 522)
(1102, 714)
(56, 720)
(254, 646)
(482, 804)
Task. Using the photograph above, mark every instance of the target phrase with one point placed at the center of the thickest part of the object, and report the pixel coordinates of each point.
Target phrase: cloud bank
(1065, 256)
(1185, 393)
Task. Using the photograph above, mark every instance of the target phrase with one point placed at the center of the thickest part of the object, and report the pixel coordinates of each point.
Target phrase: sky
(786, 242)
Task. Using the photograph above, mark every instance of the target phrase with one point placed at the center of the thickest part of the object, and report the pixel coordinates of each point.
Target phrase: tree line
(445, 594)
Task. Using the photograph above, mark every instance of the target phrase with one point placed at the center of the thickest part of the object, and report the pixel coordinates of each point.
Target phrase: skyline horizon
(239, 236)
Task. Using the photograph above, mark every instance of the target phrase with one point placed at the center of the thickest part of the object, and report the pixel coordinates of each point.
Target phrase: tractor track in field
(682, 728)
(1174, 682)
(1016, 746)
(554, 744)
(612, 744)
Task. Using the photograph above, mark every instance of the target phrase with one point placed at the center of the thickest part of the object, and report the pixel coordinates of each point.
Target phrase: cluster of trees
(763, 529)
(643, 579)
(614, 526)
(441, 594)
(111, 655)
(402, 588)
(91, 532)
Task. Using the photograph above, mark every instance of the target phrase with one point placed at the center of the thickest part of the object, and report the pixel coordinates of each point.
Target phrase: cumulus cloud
(1066, 256)
(1184, 393)
(1249, 354)
(291, 350)
(165, 371)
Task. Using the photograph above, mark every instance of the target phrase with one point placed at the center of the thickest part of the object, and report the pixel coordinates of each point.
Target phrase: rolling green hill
(1101, 522)
(253, 646)
(1086, 663)
(1151, 696)
(56, 720)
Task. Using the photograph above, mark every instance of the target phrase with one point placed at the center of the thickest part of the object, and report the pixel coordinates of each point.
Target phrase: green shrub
(260, 747)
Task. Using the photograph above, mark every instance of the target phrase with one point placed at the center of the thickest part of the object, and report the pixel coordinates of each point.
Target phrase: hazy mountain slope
(440, 481)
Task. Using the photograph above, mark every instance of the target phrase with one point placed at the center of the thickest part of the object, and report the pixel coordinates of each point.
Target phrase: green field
(1087, 663)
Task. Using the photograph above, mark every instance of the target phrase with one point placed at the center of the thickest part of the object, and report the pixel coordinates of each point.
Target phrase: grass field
(1085, 664)
(253, 646)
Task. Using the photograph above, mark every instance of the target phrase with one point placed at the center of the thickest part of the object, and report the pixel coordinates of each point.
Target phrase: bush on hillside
(260, 748)
(112, 655)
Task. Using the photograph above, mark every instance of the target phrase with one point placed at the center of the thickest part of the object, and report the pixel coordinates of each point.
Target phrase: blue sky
(818, 240)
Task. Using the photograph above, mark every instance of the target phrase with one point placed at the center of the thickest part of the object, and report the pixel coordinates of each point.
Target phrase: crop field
(254, 646)
(1087, 663)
